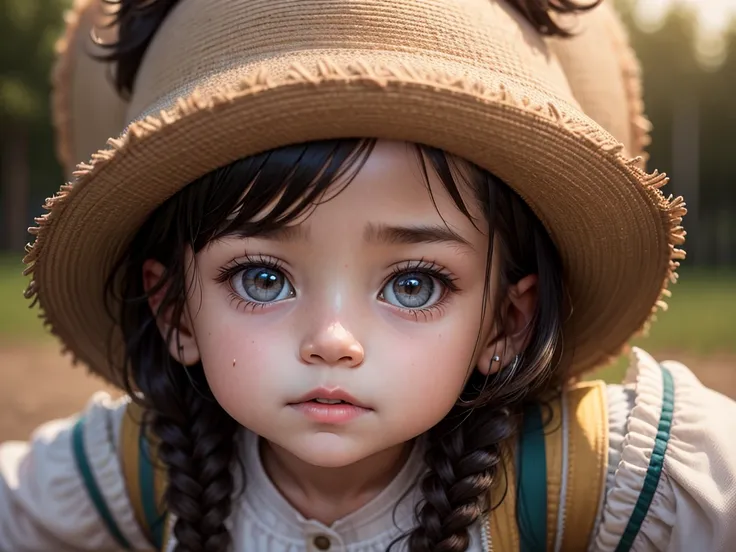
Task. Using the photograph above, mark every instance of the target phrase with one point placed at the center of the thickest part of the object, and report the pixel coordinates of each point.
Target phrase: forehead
(396, 185)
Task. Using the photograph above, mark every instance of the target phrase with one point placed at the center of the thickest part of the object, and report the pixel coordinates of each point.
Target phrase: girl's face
(372, 296)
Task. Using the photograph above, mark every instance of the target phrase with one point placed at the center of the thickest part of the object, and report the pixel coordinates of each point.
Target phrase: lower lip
(329, 413)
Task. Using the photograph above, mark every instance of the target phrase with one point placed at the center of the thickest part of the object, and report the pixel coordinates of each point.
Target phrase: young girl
(348, 258)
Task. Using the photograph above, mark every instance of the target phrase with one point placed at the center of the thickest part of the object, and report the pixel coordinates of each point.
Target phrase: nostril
(315, 356)
(347, 359)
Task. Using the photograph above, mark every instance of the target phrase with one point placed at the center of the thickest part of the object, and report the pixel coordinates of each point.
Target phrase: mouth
(330, 406)
(333, 396)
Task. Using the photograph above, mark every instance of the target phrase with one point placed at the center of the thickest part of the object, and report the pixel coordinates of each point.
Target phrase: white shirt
(45, 507)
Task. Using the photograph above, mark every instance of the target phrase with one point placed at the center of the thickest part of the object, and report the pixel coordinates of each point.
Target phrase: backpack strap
(555, 459)
(560, 455)
(519, 523)
(90, 484)
(531, 470)
(587, 463)
(145, 479)
(503, 528)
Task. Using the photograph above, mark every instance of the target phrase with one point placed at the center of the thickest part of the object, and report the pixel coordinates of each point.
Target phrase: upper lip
(334, 393)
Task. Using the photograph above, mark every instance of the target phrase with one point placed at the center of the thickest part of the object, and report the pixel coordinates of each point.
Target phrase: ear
(505, 343)
(183, 345)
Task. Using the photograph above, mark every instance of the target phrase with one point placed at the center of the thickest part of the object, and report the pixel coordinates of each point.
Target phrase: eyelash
(227, 272)
(423, 266)
(432, 269)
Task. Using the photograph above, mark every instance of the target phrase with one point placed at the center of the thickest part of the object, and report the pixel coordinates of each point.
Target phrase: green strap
(91, 485)
(154, 520)
(656, 462)
(531, 504)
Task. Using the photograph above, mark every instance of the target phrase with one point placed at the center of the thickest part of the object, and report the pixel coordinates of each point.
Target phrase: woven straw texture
(225, 79)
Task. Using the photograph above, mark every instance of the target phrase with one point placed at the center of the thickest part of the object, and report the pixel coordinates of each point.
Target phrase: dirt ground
(37, 384)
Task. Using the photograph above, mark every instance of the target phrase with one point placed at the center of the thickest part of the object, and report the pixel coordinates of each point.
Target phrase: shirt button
(322, 542)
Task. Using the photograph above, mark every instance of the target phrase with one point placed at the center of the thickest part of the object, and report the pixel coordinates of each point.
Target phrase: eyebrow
(379, 234)
(385, 234)
(285, 233)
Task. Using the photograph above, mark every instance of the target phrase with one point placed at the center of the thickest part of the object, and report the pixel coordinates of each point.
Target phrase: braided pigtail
(464, 450)
(196, 437)
(461, 461)
(197, 446)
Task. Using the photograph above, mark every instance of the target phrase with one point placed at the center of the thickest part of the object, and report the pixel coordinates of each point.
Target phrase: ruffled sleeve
(44, 504)
(688, 430)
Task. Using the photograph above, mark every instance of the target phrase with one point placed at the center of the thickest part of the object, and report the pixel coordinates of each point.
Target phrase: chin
(328, 450)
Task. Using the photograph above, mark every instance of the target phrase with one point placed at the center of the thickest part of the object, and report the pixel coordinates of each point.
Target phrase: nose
(332, 345)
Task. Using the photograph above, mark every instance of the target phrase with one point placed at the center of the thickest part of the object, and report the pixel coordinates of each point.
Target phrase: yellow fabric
(504, 530)
(553, 452)
(130, 459)
(587, 462)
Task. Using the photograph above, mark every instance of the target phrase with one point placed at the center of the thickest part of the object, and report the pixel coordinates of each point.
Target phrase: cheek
(427, 373)
(244, 362)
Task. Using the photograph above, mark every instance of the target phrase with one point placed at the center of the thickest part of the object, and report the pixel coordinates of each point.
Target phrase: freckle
(233, 363)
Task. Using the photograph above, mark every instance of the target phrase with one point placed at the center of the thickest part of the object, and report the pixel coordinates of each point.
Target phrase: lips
(323, 395)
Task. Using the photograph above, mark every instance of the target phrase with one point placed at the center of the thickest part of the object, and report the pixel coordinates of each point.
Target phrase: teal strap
(92, 489)
(531, 503)
(656, 462)
(148, 493)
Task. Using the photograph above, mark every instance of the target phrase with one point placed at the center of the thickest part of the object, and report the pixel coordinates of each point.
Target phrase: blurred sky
(714, 16)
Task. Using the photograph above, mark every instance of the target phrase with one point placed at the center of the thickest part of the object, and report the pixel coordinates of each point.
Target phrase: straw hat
(601, 68)
(85, 106)
(605, 76)
(224, 79)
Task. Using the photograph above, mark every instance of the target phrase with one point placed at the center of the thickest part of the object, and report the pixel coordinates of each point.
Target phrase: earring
(496, 358)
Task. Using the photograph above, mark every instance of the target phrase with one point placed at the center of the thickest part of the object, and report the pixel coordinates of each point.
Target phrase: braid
(196, 435)
(465, 448)
(462, 461)
(197, 447)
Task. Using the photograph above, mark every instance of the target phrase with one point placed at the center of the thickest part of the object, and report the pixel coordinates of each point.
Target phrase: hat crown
(208, 43)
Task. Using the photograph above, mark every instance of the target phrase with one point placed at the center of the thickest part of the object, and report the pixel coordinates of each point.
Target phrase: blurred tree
(692, 108)
(29, 29)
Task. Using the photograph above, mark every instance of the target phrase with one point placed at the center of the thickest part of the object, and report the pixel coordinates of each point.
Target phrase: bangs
(286, 184)
(268, 191)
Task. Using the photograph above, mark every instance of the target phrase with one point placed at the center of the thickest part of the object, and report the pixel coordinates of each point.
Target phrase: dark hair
(197, 436)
